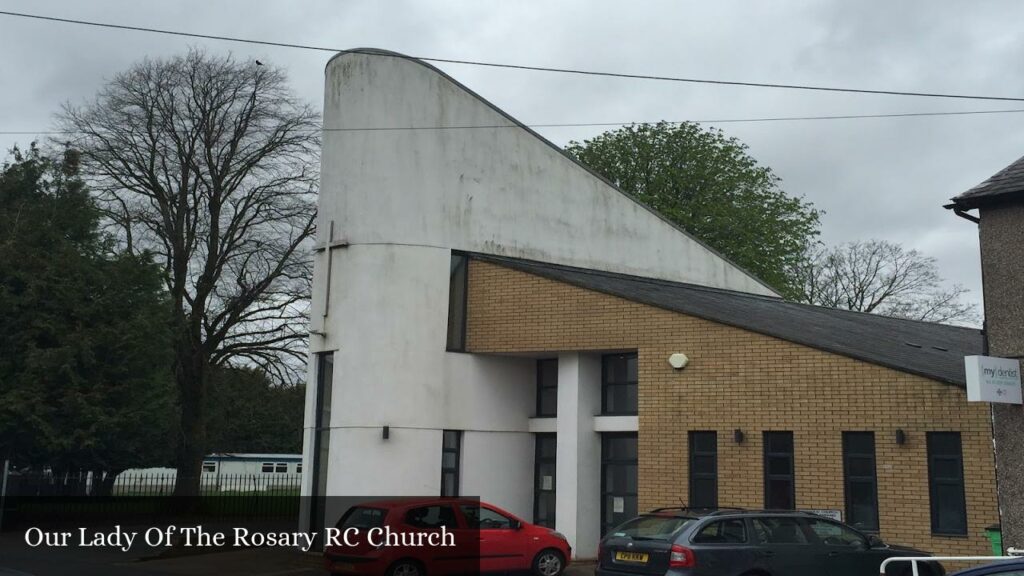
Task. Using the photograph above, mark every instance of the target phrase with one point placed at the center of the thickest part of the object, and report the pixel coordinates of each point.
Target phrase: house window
(547, 388)
(544, 480)
(946, 483)
(451, 448)
(779, 481)
(703, 469)
(458, 283)
(267, 468)
(298, 468)
(209, 466)
(281, 468)
(860, 480)
(619, 384)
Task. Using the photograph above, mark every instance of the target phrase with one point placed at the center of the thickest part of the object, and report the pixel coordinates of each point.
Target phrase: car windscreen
(362, 517)
(652, 527)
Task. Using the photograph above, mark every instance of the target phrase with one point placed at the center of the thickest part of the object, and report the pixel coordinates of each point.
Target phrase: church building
(490, 318)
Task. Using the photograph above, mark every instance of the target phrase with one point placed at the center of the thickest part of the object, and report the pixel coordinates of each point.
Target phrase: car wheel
(548, 563)
(406, 568)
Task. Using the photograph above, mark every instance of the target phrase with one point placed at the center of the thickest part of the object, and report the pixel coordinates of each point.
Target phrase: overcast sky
(876, 178)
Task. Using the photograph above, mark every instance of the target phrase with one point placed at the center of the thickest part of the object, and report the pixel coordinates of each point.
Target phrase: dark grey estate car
(733, 542)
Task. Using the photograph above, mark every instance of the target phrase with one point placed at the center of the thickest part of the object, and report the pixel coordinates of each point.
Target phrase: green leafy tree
(249, 412)
(84, 370)
(711, 187)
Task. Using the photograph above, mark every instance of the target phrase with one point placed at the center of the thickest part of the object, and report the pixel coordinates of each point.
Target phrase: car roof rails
(767, 511)
(706, 510)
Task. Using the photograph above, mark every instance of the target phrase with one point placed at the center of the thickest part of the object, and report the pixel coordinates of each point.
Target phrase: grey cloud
(874, 178)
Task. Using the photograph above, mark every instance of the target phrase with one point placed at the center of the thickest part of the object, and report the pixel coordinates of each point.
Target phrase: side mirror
(875, 541)
(515, 524)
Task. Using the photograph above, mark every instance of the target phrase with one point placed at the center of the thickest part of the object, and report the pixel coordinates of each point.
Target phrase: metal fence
(146, 484)
(267, 484)
(32, 499)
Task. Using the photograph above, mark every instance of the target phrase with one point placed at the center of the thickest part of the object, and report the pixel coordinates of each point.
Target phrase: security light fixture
(386, 432)
(901, 437)
(678, 360)
(737, 436)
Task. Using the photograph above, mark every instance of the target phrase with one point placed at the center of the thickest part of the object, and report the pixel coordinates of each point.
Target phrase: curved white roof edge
(361, 98)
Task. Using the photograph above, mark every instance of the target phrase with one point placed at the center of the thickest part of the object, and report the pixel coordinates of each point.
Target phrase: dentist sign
(992, 379)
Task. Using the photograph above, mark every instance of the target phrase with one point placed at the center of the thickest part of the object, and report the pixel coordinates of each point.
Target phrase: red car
(434, 536)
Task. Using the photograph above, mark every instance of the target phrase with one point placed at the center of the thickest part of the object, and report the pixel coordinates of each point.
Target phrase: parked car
(487, 539)
(1001, 568)
(733, 542)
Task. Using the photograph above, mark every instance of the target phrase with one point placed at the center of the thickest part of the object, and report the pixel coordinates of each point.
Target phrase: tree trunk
(103, 482)
(190, 375)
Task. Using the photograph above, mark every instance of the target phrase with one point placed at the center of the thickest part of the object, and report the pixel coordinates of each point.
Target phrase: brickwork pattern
(738, 379)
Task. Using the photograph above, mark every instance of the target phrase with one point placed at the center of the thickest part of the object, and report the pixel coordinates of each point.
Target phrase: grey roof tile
(1006, 182)
(927, 349)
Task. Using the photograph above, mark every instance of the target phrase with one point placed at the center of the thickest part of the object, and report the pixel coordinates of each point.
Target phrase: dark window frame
(849, 480)
(742, 522)
(321, 437)
(541, 385)
(934, 482)
(454, 470)
(456, 341)
(606, 462)
(694, 476)
(451, 517)
(605, 385)
(791, 477)
(537, 461)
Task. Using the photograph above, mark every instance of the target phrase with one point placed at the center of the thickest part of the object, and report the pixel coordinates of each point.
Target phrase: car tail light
(682, 557)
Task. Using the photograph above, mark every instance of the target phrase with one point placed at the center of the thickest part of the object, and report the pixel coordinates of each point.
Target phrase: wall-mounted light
(901, 437)
(678, 360)
(737, 436)
(386, 432)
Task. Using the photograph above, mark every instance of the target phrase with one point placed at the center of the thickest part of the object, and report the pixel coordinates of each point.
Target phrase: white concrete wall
(494, 190)
(388, 326)
(578, 456)
(507, 483)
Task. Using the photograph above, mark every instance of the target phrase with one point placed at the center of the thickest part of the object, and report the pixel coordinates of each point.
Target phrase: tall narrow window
(619, 376)
(779, 481)
(703, 469)
(946, 483)
(860, 480)
(451, 454)
(544, 480)
(321, 437)
(618, 478)
(458, 282)
(547, 388)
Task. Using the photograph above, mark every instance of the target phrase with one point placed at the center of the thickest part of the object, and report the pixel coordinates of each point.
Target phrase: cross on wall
(327, 247)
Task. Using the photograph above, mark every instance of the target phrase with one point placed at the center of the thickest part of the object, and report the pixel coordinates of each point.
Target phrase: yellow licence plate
(638, 557)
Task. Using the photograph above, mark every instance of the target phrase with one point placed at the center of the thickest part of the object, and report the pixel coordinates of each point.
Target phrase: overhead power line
(603, 124)
(521, 66)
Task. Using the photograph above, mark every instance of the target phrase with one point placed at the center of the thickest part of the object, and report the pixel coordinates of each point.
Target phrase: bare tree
(882, 278)
(211, 164)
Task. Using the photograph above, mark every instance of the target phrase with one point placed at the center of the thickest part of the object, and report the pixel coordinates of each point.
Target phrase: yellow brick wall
(741, 379)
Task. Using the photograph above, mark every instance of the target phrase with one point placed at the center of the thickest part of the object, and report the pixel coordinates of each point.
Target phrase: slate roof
(1008, 181)
(927, 349)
